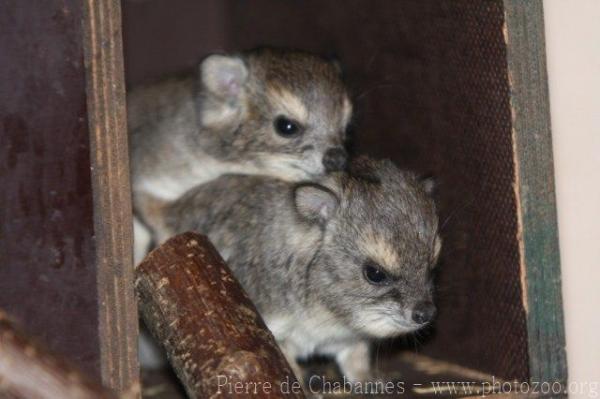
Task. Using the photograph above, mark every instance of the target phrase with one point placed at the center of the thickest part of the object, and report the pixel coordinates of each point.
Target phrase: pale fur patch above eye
(288, 104)
(379, 250)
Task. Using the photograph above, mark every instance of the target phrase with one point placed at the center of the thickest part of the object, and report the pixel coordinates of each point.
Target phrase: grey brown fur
(189, 130)
(192, 129)
(300, 250)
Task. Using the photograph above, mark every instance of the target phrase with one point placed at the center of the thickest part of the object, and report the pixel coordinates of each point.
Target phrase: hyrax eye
(286, 127)
(375, 275)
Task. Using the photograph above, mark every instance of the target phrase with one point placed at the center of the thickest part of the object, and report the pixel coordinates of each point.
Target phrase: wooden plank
(28, 370)
(65, 220)
(535, 190)
(118, 320)
(47, 248)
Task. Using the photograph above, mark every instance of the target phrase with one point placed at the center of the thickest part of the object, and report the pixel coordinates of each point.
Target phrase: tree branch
(214, 337)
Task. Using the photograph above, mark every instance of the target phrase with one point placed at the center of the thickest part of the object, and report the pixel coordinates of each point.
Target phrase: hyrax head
(380, 244)
(283, 112)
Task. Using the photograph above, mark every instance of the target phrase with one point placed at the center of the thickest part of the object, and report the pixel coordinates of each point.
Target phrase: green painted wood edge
(526, 57)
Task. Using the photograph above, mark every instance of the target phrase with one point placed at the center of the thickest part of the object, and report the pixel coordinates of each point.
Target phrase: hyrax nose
(424, 312)
(335, 159)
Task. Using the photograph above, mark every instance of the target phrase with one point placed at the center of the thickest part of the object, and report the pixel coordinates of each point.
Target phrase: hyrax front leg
(354, 362)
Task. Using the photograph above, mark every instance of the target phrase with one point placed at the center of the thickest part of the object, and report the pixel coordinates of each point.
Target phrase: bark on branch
(214, 337)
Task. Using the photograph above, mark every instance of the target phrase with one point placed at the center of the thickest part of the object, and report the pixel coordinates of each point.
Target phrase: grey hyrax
(329, 265)
(265, 112)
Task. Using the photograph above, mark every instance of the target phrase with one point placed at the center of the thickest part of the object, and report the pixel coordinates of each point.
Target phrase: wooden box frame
(109, 237)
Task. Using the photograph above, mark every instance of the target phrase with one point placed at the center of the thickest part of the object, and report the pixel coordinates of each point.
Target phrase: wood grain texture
(535, 189)
(118, 319)
(47, 248)
(28, 371)
(210, 329)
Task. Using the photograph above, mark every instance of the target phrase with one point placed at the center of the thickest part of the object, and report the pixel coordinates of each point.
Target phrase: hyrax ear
(224, 75)
(315, 203)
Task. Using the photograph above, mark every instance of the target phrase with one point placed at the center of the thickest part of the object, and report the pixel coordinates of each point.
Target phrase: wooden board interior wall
(66, 273)
(46, 204)
(431, 90)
